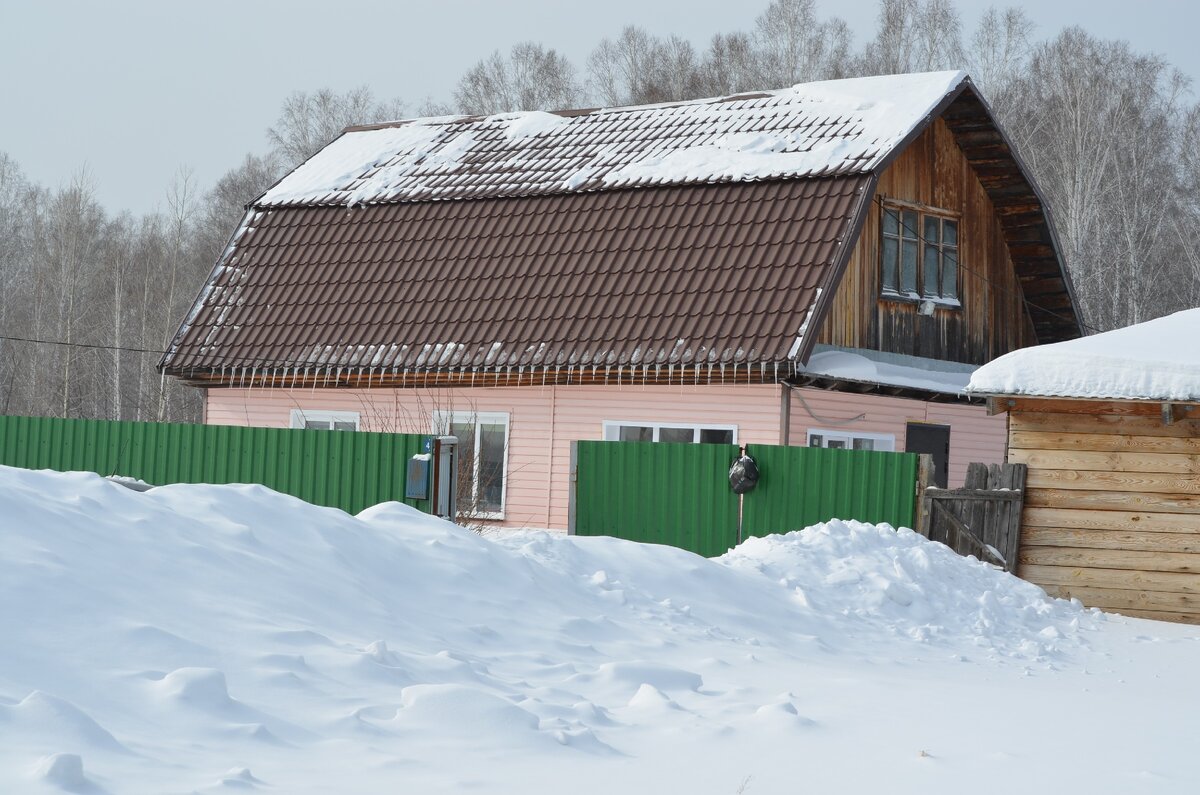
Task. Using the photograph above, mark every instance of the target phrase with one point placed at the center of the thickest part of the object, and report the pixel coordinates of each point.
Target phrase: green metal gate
(656, 492)
(339, 469)
(679, 494)
(801, 486)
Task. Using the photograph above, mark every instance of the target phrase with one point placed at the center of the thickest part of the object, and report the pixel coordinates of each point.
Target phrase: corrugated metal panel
(343, 470)
(676, 494)
(677, 277)
(800, 486)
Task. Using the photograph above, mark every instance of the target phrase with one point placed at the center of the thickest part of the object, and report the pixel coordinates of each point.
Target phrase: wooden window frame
(917, 237)
(882, 442)
(300, 417)
(442, 420)
(611, 429)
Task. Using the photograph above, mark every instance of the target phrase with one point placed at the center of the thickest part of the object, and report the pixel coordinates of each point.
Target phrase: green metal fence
(679, 494)
(343, 470)
(655, 492)
(800, 486)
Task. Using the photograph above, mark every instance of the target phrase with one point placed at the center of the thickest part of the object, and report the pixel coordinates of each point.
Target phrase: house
(821, 265)
(1109, 427)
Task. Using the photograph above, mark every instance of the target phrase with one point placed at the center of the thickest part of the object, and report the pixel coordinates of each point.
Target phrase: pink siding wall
(544, 420)
(974, 436)
(542, 423)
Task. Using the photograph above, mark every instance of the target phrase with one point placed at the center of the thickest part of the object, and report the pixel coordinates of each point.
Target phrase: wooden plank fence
(983, 518)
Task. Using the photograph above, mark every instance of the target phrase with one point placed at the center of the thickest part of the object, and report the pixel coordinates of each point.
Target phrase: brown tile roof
(674, 276)
(692, 234)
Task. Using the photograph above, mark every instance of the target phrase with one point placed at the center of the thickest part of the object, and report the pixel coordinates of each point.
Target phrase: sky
(135, 91)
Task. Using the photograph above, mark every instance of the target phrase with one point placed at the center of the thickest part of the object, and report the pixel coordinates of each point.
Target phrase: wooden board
(1103, 442)
(1111, 501)
(1139, 482)
(1142, 521)
(1113, 578)
(1125, 408)
(1163, 463)
(1063, 422)
(1177, 562)
(1160, 615)
(1126, 599)
(1109, 539)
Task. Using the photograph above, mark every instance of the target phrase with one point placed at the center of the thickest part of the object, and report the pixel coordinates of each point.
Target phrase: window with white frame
(851, 440)
(483, 459)
(312, 419)
(701, 433)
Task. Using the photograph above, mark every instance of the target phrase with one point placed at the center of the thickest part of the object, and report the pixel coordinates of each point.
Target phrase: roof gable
(828, 128)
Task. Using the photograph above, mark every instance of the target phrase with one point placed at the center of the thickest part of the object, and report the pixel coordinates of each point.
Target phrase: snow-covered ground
(209, 638)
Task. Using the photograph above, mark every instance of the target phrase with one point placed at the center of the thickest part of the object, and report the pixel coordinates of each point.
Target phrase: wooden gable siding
(1112, 504)
(933, 172)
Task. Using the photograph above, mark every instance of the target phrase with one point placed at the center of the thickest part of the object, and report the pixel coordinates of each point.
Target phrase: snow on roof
(873, 367)
(1155, 360)
(812, 129)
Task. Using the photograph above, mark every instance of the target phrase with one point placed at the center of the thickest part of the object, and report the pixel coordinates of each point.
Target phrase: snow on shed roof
(836, 127)
(1155, 360)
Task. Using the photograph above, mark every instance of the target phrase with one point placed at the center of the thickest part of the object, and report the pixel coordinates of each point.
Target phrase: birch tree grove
(1111, 136)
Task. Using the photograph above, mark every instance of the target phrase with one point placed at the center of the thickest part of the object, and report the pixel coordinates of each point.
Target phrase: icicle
(776, 372)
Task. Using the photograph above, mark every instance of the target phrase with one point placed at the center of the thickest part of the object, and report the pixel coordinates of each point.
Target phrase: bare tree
(308, 121)
(795, 46)
(999, 54)
(730, 66)
(531, 77)
(914, 36)
(1100, 126)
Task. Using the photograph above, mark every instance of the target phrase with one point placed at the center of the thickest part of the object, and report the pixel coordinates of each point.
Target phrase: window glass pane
(864, 444)
(888, 259)
(950, 233)
(715, 436)
(490, 486)
(816, 440)
(908, 267)
(316, 425)
(465, 431)
(636, 433)
(930, 268)
(933, 232)
(950, 273)
(677, 435)
(836, 444)
(344, 426)
(911, 225)
(891, 222)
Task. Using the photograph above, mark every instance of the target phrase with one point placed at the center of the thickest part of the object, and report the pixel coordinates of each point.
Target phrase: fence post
(572, 478)
(925, 476)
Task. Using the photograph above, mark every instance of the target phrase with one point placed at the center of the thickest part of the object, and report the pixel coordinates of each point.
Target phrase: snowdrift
(211, 638)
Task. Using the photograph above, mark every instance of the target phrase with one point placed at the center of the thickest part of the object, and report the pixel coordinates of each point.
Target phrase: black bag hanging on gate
(743, 475)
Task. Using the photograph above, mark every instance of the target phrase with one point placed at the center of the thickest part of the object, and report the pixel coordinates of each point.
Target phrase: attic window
(919, 256)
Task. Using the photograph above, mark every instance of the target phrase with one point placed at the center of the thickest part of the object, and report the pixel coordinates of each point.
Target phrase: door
(922, 437)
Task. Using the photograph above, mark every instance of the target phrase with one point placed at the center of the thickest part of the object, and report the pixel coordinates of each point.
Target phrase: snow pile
(812, 129)
(212, 639)
(1155, 360)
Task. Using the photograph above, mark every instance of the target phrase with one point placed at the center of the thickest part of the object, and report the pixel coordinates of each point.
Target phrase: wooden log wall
(1112, 504)
(933, 172)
